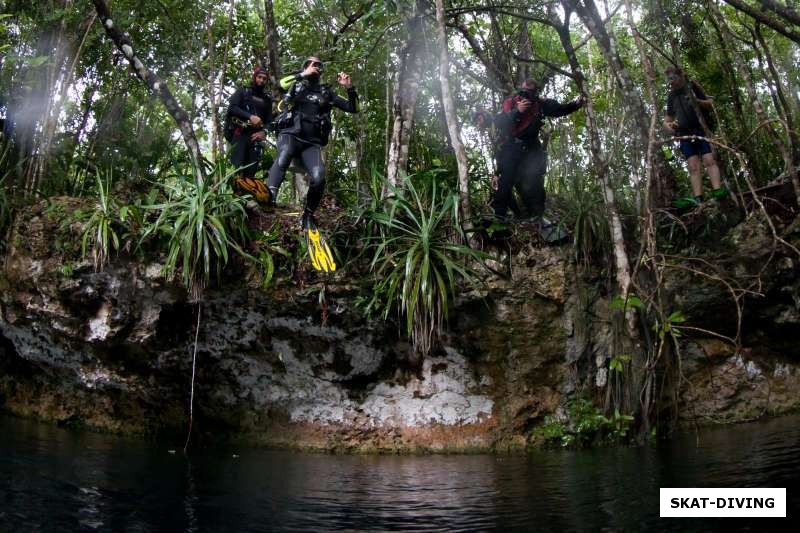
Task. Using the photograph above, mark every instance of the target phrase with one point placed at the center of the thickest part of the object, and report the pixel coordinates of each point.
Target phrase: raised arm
(551, 108)
(351, 104)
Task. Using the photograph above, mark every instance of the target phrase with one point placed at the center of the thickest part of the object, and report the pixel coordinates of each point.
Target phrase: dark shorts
(694, 147)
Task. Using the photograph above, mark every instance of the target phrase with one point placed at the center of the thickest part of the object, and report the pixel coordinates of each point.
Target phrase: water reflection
(57, 480)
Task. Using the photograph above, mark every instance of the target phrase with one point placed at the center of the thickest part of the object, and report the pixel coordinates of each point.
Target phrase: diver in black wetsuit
(249, 113)
(304, 130)
(521, 160)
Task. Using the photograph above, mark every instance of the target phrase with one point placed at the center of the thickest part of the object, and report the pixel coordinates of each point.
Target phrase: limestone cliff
(113, 350)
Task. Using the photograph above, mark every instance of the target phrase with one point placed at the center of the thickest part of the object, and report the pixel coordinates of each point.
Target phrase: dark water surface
(54, 479)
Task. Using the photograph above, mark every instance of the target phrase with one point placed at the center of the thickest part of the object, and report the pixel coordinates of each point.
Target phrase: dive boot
(318, 249)
(720, 193)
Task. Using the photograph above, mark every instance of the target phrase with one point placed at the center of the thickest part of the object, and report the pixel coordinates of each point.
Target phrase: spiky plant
(99, 233)
(580, 207)
(203, 220)
(419, 260)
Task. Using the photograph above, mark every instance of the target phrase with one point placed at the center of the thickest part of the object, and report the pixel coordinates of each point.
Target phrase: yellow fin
(319, 251)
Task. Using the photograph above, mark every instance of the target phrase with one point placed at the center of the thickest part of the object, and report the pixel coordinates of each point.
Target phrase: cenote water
(54, 479)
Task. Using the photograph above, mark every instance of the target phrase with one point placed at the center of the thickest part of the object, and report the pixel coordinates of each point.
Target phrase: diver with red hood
(249, 114)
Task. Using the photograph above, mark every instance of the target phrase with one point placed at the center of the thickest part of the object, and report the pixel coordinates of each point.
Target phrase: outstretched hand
(344, 80)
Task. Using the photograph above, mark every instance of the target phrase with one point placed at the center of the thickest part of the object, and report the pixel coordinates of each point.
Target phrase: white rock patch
(99, 327)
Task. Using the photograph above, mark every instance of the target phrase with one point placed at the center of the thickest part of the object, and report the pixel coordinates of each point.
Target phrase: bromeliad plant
(418, 260)
(580, 207)
(99, 233)
(202, 220)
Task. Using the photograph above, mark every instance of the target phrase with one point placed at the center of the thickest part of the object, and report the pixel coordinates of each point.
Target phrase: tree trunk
(621, 262)
(525, 51)
(223, 68)
(662, 187)
(65, 77)
(782, 104)
(76, 137)
(789, 149)
(451, 118)
(784, 145)
(211, 87)
(405, 97)
(744, 119)
(29, 108)
(299, 182)
(156, 85)
(271, 43)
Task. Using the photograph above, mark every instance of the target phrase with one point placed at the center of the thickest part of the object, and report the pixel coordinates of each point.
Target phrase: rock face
(753, 291)
(114, 350)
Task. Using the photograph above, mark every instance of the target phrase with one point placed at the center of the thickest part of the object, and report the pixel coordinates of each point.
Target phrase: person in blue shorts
(681, 121)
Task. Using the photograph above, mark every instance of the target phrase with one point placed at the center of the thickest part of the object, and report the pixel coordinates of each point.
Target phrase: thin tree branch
(501, 80)
(548, 64)
(351, 20)
(765, 20)
(783, 11)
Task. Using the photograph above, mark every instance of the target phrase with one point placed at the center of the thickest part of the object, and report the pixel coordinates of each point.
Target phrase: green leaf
(618, 303)
(676, 318)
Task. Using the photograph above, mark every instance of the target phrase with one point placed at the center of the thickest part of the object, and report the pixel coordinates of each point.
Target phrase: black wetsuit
(307, 135)
(244, 103)
(521, 160)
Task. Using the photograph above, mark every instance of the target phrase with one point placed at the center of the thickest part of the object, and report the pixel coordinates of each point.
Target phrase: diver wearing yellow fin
(249, 114)
(304, 126)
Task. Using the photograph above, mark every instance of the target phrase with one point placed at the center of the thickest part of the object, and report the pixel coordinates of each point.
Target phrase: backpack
(708, 114)
(229, 127)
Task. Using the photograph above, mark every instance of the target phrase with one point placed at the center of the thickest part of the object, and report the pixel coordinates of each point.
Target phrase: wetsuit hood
(256, 72)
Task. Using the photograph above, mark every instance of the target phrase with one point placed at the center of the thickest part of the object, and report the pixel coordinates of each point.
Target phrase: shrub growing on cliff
(202, 220)
(418, 261)
(584, 425)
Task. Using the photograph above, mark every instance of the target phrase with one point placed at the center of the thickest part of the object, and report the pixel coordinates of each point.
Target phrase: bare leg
(695, 176)
(712, 169)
